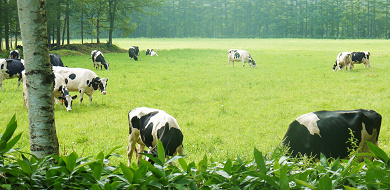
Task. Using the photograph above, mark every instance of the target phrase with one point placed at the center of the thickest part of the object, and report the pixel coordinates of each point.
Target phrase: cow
(14, 54)
(98, 60)
(11, 68)
(329, 132)
(361, 57)
(147, 126)
(60, 91)
(83, 81)
(151, 52)
(134, 52)
(55, 60)
(240, 55)
(344, 59)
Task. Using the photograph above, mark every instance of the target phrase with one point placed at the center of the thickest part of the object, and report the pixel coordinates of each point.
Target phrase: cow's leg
(81, 94)
(1, 83)
(132, 143)
(19, 80)
(243, 63)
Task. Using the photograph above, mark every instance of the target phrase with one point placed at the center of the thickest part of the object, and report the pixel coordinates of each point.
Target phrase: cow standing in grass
(11, 68)
(344, 59)
(240, 55)
(98, 60)
(148, 126)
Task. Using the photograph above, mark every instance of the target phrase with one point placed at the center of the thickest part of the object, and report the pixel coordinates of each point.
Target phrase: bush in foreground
(271, 171)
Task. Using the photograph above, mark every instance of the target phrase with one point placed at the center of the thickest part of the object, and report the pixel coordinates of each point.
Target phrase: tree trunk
(82, 25)
(67, 23)
(39, 78)
(58, 28)
(6, 25)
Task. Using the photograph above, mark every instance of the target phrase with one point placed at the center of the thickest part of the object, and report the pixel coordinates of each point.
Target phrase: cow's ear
(74, 97)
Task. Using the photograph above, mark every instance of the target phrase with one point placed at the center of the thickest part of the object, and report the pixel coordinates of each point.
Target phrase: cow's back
(77, 77)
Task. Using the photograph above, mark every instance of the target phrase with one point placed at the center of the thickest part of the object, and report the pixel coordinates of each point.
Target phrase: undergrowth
(275, 170)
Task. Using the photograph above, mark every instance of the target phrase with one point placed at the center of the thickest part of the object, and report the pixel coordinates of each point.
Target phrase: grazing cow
(147, 126)
(361, 57)
(11, 68)
(60, 91)
(55, 60)
(343, 59)
(151, 52)
(240, 55)
(328, 132)
(134, 52)
(83, 81)
(98, 60)
(14, 54)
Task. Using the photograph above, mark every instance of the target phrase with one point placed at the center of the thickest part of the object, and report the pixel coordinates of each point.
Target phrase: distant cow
(240, 55)
(14, 54)
(55, 60)
(11, 68)
(134, 52)
(344, 59)
(328, 132)
(151, 52)
(98, 60)
(361, 57)
(60, 91)
(147, 126)
(83, 81)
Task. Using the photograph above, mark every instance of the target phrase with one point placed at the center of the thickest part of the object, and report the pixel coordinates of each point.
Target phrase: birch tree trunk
(39, 78)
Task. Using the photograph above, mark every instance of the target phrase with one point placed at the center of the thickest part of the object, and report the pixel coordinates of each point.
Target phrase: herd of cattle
(325, 132)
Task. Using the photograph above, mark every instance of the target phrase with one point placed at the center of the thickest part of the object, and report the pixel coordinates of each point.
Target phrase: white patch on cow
(367, 137)
(309, 120)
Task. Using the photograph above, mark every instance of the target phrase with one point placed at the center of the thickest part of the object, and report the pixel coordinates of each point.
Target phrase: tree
(39, 78)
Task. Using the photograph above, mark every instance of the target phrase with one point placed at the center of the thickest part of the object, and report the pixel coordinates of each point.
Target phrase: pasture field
(224, 112)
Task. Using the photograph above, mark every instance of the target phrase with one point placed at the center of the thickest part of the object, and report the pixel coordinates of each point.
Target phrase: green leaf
(304, 183)
(98, 168)
(350, 188)
(9, 131)
(259, 159)
(223, 174)
(127, 173)
(379, 153)
(70, 161)
(183, 164)
(324, 161)
(95, 187)
(228, 166)
(160, 152)
(325, 183)
(12, 143)
(112, 150)
(25, 167)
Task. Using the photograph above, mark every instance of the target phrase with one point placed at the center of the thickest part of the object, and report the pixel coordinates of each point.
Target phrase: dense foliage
(271, 171)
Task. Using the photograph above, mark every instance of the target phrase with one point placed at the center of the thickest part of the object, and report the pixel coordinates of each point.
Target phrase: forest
(92, 20)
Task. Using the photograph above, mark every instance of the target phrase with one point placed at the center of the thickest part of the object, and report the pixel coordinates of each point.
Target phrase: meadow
(224, 112)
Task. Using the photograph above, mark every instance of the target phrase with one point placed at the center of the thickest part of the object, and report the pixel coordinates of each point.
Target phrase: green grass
(222, 111)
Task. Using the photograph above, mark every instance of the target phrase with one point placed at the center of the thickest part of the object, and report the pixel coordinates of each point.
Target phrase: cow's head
(66, 97)
(99, 83)
(253, 63)
(106, 65)
(153, 151)
(336, 66)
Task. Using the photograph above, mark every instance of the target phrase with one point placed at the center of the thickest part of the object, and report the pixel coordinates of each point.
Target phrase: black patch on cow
(95, 83)
(2, 66)
(358, 56)
(170, 138)
(55, 60)
(236, 55)
(72, 76)
(60, 89)
(88, 83)
(66, 81)
(14, 67)
(145, 131)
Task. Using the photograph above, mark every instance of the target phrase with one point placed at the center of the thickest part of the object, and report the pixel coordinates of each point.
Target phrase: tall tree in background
(39, 78)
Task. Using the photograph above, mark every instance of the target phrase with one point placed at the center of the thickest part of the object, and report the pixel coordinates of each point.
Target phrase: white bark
(39, 78)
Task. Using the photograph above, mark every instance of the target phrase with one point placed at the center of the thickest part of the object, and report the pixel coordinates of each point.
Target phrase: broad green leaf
(95, 187)
(228, 166)
(12, 143)
(98, 169)
(325, 183)
(25, 167)
(160, 152)
(9, 131)
(259, 159)
(350, 188)
(378, 152)
(127, 173)
(324, 161)
(183, 164)
(70, 161)
(112, 150)
(223, 174)
(140, 173)
(283, 179)
(304, 183)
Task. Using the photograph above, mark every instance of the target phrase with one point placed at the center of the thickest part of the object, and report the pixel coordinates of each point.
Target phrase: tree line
(267, 19)
(96, 19)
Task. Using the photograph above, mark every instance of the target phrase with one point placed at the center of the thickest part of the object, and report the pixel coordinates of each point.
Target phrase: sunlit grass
(222, 111)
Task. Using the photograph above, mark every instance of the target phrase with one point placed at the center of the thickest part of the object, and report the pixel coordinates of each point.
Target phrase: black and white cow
(83, 81)
(343, 59)
(328, 132)
(14, 54)
(361, 57)
(147, 126)
(240, 55)
(98, 60)
(11, 68)
(151, 52)
(60, 91)
(134, 52)
(55, 60)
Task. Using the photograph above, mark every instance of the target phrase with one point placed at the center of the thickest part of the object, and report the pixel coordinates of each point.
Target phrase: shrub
(275, 170)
